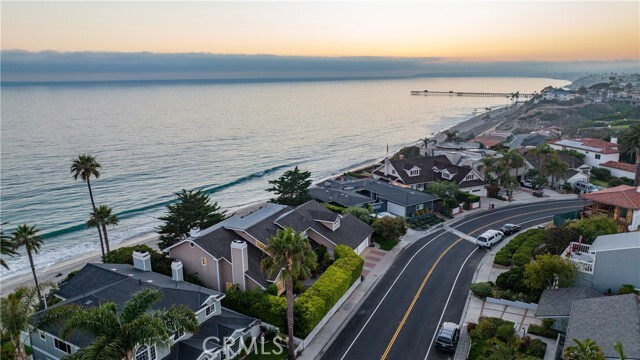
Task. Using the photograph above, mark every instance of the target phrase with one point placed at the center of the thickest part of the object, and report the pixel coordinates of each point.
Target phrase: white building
(596, 151)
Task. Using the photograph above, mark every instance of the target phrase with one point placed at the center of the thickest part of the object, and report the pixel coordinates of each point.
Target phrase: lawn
(599, 183)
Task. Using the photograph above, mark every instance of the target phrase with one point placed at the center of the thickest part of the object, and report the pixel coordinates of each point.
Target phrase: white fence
(518, 304)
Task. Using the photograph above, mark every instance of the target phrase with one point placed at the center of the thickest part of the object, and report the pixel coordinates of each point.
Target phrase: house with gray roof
(230, 252)
(383, 197)
(556, 304)
(607, 320)
(417, 173)
(97, 284)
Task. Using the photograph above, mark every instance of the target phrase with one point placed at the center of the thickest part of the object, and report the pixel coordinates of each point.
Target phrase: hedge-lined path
(372, 257)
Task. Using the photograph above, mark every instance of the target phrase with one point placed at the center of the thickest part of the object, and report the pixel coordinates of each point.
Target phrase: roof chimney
(141, 260)
(176, 271)
(194, 232)
(239, 262)
(614, 140)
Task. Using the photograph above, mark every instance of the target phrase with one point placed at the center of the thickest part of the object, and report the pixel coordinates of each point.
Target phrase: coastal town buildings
(230, 252)
(385, 198)
(619, 169)
(97, 284)
(596, 151)
(417, 173)
(577, 169)
(621, 203)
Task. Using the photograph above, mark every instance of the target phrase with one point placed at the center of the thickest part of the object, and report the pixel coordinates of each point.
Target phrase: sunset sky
(471, 31)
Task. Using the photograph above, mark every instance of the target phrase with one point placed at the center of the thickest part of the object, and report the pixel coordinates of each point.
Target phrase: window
(210, 309)
(415, 172)
(597, 156)
(446, 175)
(178, 335)
(43, 336)
(203, 261)
(144, 352)
(393, 171)
(469, 177)
(62, 346)
(192, 244)
(419, 206)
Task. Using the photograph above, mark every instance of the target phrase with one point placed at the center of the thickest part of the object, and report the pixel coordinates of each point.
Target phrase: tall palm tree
(27, 236)
(554, 166)
(515, 160)
(84, 167)
(17, 314)
(291, 255)
(7, 246)
(620, 350)
(117, 335)
(103, 217)
(583, 350)
(630, 142)
(451, 135)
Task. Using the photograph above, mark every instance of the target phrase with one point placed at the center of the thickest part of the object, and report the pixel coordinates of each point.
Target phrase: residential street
(428, 284)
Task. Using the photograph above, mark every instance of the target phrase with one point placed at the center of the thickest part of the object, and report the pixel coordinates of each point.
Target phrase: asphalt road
(427, 284)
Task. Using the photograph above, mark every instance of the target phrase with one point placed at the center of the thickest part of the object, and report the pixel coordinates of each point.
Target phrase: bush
(314, 304)
(627, 289)
(627, 181)
(536, 348)
(542, 331)
(388, 228)
(334, 208)
(505, 332)
(593, 227)
(481, 289)
(160, 262)
(471, 326)
(615, 182)
(259, 304)
(193, 279)
(487, 328)
(601, 174)
(512, 280)
(502, 258)
(272, 290)
(361, 213)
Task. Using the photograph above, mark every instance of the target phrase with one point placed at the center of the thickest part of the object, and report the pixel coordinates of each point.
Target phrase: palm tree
(451, 135)
(583, 350)
(103, 217)
(620, 350)
(630, 142)
(117, 335)
(7, 246)
(291, 255)
(84, 167)
(554, 166)
(426, 141)
(17, 313)
(27, 236)
(515, 160)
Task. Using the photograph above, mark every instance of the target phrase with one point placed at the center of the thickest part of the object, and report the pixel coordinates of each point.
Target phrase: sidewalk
(325, 337)
(476, 307)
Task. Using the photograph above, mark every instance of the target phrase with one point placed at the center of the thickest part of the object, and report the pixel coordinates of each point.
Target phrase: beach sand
(479, 123)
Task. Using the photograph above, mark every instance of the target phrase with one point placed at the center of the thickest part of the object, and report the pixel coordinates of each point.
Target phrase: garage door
(396, 209)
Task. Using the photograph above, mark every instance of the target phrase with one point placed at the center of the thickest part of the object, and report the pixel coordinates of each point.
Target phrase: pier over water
(476, 94)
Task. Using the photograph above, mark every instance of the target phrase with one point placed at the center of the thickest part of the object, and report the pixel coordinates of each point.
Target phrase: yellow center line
(424, 281)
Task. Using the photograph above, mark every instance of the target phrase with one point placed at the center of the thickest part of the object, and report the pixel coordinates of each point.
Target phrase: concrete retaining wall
(517, 304)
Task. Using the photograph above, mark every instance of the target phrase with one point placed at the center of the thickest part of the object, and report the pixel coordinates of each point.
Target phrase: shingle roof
(595, 145)
(628, 240)
(623, 196)
(338, 196)
(620, 166)
(558, 302)
(398, 195)
(573, 161)
(352, 231)
(424, 163)
(607, 320)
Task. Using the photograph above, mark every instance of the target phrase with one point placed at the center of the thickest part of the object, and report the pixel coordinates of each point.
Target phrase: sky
(410, 34)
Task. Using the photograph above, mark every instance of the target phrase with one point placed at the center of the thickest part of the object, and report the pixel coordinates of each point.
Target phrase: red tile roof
(620, 166)
(604, 146)
(623, 196)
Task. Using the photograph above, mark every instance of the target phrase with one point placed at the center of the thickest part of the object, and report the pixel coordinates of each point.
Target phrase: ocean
(155, 138)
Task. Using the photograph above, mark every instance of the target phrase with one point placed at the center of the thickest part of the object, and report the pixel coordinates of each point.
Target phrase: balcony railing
(580, 255)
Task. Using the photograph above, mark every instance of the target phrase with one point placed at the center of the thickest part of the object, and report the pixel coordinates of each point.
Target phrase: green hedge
(481, 289)
(314, 304)
(334, 208)
(518, 250)
(269, 308)
(160, 262)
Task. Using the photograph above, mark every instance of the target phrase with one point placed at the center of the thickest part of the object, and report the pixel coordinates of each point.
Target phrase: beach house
(621, 203)
(596, 151)
(230, 252)
(417, 173)
(96, 284)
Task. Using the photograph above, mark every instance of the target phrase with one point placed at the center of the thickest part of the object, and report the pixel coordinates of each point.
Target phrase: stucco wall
(615, 268)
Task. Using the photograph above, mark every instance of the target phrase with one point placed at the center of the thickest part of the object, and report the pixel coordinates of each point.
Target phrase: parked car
(489, 238)
(529, 184)
(509, 229)
(448, 335)
(585, 187)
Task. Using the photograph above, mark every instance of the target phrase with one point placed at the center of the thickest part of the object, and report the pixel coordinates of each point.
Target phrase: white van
(489, 238)
(585, 187)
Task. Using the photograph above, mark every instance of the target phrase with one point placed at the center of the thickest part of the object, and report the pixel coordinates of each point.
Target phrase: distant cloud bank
(24, 66)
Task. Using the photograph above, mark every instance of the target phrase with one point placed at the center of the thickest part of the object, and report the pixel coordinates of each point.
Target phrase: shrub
(512, 280)
(542, 331)
(627, 289)
(627, 181)
(388, 228)
(193, 279)
(334, 208)
(481, 289)
(502, 258)
(601, 174)
(487, 327)
(268, 308)
(593, 227)
(536, 348)
(505, 332)
(272, 290)
(615, 182)
(343, 251)
(471, 326)
(361, 213)
(160, 262)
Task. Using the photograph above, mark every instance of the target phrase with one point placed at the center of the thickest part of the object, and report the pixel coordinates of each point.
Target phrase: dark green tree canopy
(292, 188)
(193, 209)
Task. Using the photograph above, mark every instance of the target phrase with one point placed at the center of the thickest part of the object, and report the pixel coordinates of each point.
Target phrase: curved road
(427, 284)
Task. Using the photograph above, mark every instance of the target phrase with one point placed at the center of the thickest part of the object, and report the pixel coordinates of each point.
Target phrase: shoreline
(49, 273)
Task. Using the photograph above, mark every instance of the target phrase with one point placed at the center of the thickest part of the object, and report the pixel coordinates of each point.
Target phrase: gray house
(230, 252)
(610, 262)
(382, 197)
(96, 284)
